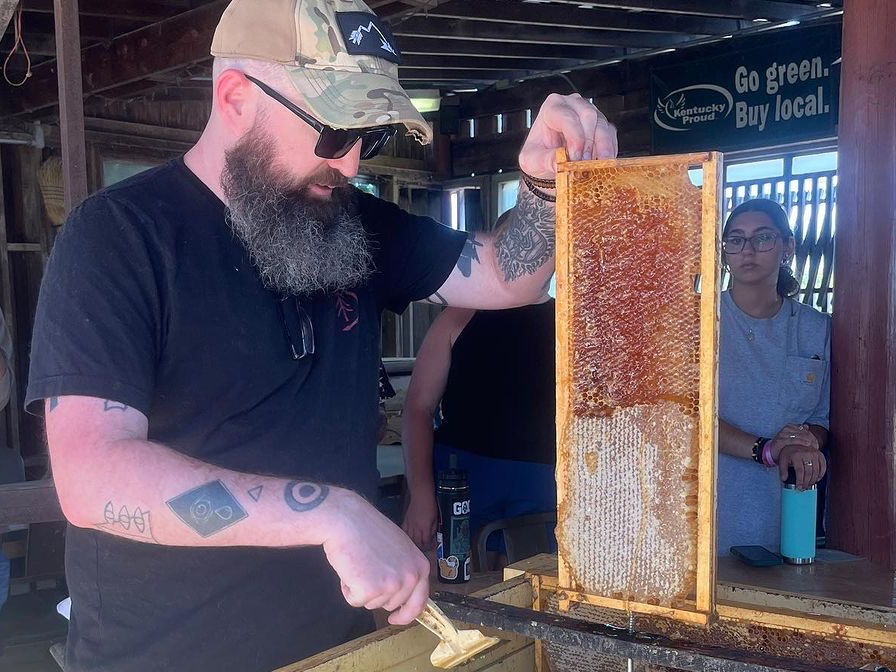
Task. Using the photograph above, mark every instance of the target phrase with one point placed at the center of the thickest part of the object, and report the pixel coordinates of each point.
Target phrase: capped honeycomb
(629, 329)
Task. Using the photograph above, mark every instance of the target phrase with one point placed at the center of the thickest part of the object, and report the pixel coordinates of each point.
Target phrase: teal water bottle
(798, 516)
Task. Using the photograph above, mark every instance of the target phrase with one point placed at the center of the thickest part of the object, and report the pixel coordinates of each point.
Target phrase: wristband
(540, 181)
(758, 444)
(538, 192)
(767, 458)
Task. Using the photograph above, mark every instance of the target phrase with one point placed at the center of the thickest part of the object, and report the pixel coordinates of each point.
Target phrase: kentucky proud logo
(690, 106)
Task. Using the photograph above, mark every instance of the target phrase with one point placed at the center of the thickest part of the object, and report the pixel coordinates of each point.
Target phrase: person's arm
(110, 478)
(798, 446)
(512, 266)
(424, 393)
(734, 441)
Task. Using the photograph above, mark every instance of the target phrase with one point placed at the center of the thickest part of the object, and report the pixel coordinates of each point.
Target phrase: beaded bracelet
(538, 192)
(758, 445)
(542, 182)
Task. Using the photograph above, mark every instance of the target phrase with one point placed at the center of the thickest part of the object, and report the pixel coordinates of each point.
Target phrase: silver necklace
(747, 330)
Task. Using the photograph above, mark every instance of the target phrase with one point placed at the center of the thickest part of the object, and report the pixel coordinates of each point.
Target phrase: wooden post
(71, 102)
(862, 502)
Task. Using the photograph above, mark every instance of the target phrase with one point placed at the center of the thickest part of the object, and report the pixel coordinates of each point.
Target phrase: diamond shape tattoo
(208, 509)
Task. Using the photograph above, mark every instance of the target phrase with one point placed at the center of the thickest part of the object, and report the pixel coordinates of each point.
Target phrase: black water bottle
(454, 531)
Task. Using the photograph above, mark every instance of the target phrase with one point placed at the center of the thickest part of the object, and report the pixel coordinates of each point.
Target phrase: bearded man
(206, 351)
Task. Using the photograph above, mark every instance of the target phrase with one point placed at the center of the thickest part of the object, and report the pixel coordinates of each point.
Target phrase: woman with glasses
(774, 378)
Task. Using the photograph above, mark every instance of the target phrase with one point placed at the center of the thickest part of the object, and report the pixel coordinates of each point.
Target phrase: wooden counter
(836, 585)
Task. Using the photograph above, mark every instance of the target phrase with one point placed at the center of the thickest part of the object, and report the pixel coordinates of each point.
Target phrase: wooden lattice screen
(810, 199)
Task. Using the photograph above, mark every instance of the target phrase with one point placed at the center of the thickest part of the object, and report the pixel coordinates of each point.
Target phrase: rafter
(736, 9)
(576, 17)
(142, 10)
(421, 26)
(410, 45)
(125, 59)
(473, 63)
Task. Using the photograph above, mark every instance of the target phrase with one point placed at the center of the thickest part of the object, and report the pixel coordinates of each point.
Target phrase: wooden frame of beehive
(695, 609)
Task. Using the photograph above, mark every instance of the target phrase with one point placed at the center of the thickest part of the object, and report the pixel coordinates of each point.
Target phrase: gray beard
(299, 244)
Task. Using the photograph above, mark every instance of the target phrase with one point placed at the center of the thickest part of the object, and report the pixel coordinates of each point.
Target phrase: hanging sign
(760, 92)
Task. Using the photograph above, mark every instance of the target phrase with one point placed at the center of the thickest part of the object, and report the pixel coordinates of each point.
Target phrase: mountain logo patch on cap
(365, 35)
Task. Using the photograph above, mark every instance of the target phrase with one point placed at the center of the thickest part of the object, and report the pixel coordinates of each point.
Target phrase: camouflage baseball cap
(340, 56)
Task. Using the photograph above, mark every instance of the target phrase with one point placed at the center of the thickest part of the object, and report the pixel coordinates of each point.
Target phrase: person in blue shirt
(774, 378)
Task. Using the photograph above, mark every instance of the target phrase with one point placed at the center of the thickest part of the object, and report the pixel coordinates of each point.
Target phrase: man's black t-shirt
(151, 301)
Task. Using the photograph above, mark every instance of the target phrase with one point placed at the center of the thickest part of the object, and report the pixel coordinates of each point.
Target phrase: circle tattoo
(303, 496)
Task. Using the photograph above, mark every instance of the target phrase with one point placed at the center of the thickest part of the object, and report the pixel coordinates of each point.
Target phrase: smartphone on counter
(756, 556)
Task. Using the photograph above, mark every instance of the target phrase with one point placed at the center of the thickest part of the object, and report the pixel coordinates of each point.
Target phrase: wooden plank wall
(621, 94)
(28, 233)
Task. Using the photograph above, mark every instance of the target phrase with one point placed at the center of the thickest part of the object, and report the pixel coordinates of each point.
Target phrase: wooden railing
(29, 502)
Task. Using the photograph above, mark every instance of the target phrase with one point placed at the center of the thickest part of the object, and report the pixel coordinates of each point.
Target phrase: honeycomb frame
(641, 178)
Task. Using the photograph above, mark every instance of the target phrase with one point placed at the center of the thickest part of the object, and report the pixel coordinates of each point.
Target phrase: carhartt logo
(358, 36)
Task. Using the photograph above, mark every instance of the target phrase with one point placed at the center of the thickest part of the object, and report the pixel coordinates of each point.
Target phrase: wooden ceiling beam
(422, 26)
(92, 27)
(457, 74)
(609, 80)
(473, 63)
(125, 59)
(410, 45)
(38, 45)
(393, 10)
(735, 9)
(142, 10)
(575, 17)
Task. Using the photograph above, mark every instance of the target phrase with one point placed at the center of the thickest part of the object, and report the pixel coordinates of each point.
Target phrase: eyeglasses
(334, 143)
(761, 242)
(299, 330)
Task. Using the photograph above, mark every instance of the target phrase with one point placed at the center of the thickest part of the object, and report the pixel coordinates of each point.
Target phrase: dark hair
(787, 284)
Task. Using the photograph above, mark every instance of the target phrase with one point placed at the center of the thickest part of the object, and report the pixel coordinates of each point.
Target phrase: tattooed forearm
(109, 405)
(123, 522)
(303, 496)
(526, 242)
(469, 255)
(437, 299)
(207, 509)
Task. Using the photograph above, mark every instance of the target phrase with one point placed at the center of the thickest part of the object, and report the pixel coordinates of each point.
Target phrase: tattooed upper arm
(469, 256)
(526, 242)
(522, 246)
(77, 418)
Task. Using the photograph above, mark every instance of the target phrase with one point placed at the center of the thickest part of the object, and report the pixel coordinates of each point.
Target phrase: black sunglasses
(334, 143)
(299, 330)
